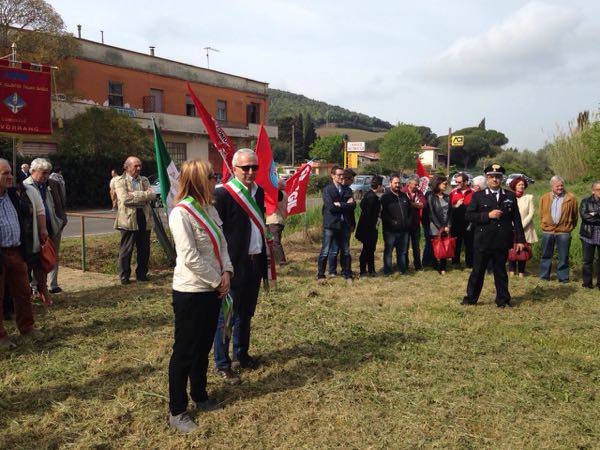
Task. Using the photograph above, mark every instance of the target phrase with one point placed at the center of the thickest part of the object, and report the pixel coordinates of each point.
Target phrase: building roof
(429, 147)
(374, 156)
(120, 57)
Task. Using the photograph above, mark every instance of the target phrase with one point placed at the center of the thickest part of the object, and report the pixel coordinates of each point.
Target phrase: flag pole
(13, 63)
(449, 147)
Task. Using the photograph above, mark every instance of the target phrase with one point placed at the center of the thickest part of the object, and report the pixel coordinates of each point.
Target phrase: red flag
(218, 137)
(266, 177)
(295, 188)
(423, 175)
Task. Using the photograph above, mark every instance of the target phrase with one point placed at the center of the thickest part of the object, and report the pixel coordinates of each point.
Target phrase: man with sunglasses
(495, 214)
(338, 215)
(237, 203)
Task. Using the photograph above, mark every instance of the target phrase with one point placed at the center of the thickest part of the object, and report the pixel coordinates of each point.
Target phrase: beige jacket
(126, 216)
(527, 209)
(280, 214)
(197, 268)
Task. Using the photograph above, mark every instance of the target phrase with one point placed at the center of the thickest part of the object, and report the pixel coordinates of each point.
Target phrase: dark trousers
(515, 266)
(245, 296)
(13, 271)
(588, 263)
(341, 237)
(395, 241)
(440, 264)
(414, 239)
(141, 240)
(278, 253)
(428, 258)
(463, 237)
(7, 303)
(480, 262)
(367, 254)
(196, 315)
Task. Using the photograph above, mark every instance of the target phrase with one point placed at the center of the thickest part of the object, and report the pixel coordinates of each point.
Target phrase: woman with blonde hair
(200, 280)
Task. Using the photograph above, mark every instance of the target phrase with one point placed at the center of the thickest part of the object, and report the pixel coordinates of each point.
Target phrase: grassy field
(353, 134)
(392, 362)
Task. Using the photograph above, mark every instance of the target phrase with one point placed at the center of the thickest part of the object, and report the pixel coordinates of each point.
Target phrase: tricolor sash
(192, 206)
(242, 196)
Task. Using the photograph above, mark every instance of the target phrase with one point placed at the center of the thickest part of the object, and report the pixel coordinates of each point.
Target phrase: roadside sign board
(355, 147)
(458, 141)
(352, 160)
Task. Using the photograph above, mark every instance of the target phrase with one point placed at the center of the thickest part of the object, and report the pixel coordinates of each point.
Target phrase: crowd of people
(485, 219)
(224, 244)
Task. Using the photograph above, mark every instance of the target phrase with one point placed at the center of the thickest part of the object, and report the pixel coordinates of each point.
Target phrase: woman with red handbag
(517, 262)
(440, 218)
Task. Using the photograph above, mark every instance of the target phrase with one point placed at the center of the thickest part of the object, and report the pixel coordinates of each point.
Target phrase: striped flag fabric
(168, 174)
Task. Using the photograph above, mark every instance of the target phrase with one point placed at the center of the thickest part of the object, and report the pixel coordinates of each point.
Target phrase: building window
(190, 108)
(222, 110)
(115, 94)
(178, 152)
(253, 113)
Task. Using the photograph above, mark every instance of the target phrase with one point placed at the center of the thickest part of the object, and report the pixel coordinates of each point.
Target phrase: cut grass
(391, 362)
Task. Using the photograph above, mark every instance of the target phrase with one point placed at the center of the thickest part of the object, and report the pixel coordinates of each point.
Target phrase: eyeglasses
(254, 168)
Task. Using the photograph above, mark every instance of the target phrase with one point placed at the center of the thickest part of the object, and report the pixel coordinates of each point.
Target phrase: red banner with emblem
(25, 100)
(295, 188)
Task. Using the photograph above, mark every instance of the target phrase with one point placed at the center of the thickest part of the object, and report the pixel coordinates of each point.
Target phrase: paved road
(105, 226)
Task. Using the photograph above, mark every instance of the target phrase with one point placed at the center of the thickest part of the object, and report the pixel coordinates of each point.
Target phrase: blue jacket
(334, 216)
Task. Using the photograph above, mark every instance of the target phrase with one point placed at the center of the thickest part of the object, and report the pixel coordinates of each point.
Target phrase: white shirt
(496, 193)
(256, 241)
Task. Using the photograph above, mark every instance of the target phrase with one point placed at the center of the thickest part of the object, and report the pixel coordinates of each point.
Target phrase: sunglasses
(254, 168)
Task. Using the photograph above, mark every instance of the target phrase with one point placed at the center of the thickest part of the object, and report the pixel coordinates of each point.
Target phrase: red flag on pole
(218, 137)
(266, 177)
(296, 187)
(423, 176)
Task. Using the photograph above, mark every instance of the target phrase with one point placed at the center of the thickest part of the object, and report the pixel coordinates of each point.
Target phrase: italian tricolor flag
(168, 175)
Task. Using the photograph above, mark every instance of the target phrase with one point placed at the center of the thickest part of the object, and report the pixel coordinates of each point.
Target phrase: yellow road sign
(458, 141)
(352, 160)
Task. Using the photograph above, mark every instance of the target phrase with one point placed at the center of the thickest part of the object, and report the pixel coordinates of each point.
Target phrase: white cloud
(536, 38)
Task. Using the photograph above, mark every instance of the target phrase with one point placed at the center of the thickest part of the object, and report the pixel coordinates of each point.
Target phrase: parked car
(361, 185)
(512, 176)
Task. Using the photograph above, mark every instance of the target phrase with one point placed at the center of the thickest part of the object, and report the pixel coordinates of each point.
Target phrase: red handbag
(525, 255)
(443, 246)
(48, 255)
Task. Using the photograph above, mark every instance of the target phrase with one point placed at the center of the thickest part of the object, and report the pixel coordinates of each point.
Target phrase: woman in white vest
(527, 210)
(200, 281)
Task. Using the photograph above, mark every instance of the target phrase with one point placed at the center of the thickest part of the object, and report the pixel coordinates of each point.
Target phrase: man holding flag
(240, 204)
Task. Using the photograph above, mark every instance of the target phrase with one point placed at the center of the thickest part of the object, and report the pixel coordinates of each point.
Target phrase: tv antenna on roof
(209, 49)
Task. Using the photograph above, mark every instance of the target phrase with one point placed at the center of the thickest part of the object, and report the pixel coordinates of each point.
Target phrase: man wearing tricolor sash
(240, 204)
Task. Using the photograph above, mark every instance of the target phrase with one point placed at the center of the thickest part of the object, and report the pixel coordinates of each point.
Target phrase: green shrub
(317, 183)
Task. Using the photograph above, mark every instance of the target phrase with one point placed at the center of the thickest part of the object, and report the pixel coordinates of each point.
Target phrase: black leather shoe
(143, 279)
(55, 290)
(228, 376)
(588, 286)
(467, 301)
(125, 281)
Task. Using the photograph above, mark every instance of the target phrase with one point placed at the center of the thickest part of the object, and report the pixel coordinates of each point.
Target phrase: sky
(528, 67)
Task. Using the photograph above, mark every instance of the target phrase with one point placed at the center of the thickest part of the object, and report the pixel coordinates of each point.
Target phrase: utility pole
(449, 148)
(293, 142)
(209, 49)
(13, 63)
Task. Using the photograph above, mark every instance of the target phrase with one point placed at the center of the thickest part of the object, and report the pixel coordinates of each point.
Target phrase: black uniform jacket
(237, 230)
(495, 234)
(370, 207)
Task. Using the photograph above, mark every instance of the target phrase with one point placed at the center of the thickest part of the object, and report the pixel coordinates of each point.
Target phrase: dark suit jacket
(370, 207)
(495, 234)
(237, 230)
(332, 215)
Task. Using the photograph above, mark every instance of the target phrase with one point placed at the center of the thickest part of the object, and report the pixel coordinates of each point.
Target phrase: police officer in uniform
(495, 214)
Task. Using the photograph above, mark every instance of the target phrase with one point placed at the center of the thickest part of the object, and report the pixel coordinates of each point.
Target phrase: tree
(479, 143)
(428, 137)
(104, 132)
(400, 147)
(309, 135)
(329, 148)
(39, 34)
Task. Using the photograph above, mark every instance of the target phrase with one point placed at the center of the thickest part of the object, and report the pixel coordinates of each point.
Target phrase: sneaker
(183, 422)
(56, 290)
(6, 345)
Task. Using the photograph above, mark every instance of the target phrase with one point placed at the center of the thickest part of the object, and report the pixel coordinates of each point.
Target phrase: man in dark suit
(338, 206)
(247, 251)
(495, 215)
(366, 230)
(334, 250)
